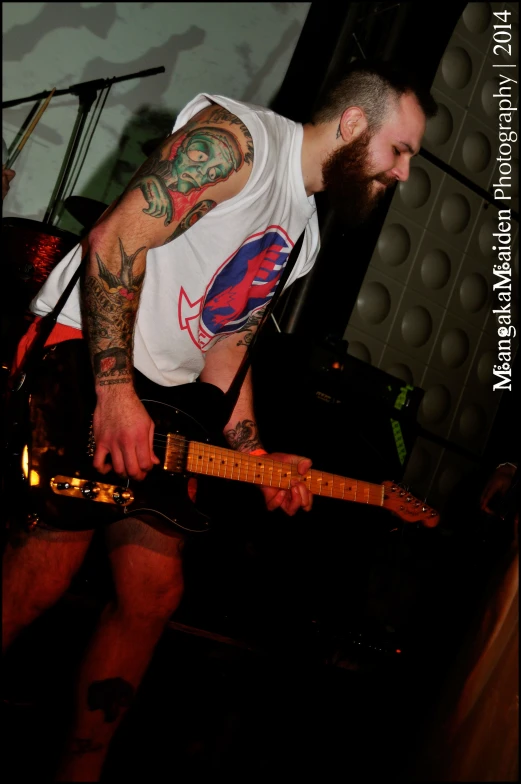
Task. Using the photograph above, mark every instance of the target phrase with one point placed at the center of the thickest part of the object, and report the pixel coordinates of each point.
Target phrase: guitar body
(52, 416)
(49, 453)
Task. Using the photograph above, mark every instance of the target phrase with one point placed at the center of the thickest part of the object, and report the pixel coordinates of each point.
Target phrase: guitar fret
(203, 458)
(217, 461)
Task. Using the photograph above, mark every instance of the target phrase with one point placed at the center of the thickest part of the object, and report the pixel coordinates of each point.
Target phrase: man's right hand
(123, 429)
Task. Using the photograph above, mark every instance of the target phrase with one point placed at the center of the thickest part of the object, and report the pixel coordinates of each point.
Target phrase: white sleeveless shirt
(208, 281)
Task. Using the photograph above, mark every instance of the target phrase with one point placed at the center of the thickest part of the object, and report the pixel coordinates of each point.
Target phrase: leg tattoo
(110, 696)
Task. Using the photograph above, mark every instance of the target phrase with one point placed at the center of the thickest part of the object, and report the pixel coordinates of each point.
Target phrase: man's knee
(153, 603)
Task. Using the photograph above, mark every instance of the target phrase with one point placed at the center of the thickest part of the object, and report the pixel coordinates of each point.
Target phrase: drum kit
(31, 248)
(30, 251)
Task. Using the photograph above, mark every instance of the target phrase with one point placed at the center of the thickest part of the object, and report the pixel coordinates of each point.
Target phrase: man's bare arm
(205, 162)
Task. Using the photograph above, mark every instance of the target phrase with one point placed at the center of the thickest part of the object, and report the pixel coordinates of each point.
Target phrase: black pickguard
(52, 415)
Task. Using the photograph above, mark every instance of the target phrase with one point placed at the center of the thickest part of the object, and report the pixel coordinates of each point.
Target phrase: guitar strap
(45, 327)
(231, 396)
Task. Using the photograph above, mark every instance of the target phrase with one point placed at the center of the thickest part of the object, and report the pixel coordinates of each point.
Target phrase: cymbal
(85, 210)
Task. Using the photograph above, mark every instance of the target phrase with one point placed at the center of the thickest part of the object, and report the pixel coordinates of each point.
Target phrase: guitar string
(374, 491)
(273, 465)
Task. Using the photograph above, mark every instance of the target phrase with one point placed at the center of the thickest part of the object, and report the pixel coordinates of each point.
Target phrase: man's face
(358, 174)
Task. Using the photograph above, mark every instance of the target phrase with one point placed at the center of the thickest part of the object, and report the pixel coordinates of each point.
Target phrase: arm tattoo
(245, 437)
(111, 305)
(250, 326)
(195, 214)
(223, 115)
(201, 156)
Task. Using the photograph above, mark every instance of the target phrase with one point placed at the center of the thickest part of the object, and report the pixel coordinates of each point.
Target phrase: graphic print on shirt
(245, 282)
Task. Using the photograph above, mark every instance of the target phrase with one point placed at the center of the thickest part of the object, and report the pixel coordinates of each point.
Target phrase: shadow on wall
(145, 130)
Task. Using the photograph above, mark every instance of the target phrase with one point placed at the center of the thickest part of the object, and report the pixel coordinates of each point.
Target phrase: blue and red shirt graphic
(244, 283)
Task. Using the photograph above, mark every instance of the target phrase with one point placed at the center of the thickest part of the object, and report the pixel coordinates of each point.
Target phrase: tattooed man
(179, 272)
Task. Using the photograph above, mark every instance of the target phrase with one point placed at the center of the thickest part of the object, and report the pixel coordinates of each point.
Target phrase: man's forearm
(222, 362)
(241, 431)
(111, 296)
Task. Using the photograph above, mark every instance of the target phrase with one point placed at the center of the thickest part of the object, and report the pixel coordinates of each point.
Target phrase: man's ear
(353, 122)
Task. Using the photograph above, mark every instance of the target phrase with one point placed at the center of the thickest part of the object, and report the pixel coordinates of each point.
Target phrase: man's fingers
(292, 502)
(144, 455)
(155, 459)
(99, 459)
(276, 501)
(304, 465)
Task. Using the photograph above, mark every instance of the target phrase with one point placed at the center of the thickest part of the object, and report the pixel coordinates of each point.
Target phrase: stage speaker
(348, 416)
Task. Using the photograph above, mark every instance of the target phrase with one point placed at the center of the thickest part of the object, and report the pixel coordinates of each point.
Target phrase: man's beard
(351, 190)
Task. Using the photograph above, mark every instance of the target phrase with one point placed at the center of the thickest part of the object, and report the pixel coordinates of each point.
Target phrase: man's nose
(402, 170)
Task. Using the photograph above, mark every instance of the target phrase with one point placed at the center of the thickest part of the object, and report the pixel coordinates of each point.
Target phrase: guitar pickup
(74, 487)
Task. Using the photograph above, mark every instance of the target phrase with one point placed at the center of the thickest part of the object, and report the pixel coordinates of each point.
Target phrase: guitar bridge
(74, 487)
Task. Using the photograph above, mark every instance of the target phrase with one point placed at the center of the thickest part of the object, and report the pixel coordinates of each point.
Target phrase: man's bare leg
(37, 570)
(149, 586)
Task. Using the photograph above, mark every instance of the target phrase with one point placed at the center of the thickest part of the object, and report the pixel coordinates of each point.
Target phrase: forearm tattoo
(173, 180)
(244, 437)
(110, 303)
(249, 327)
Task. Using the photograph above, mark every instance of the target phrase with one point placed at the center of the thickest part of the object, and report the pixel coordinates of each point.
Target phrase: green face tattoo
(205, 156)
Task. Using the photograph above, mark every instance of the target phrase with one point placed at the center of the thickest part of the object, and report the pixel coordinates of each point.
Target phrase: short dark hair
(371, 85)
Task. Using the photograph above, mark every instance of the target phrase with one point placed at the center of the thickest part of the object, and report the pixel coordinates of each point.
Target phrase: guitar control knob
(62, 485)
(408, 498)
(120, 495)
(90, 490)
(424, 508)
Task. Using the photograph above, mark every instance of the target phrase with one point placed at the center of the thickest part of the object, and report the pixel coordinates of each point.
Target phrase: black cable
(87, 141)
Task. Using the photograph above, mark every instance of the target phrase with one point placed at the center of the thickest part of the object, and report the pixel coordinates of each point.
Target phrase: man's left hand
(298, 496)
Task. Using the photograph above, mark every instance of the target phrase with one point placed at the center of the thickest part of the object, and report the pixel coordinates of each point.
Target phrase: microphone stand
(86, 93)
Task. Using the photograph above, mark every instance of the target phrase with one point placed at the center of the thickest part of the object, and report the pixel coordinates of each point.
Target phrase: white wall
(241, 50)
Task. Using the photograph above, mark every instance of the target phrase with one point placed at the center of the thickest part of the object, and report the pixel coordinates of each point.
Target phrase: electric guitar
(50, 455)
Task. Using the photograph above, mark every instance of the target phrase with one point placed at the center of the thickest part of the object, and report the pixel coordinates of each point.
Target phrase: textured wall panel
(432, 267)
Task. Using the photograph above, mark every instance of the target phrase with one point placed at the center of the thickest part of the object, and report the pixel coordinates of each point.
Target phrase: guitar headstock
(407, 507)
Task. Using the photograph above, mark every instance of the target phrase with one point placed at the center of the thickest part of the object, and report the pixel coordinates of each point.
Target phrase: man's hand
(7, 176)
(498, 484)
(123, 429)
(295, 498)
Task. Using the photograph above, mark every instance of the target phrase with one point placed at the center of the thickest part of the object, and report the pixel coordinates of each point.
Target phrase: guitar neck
(228, 464)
